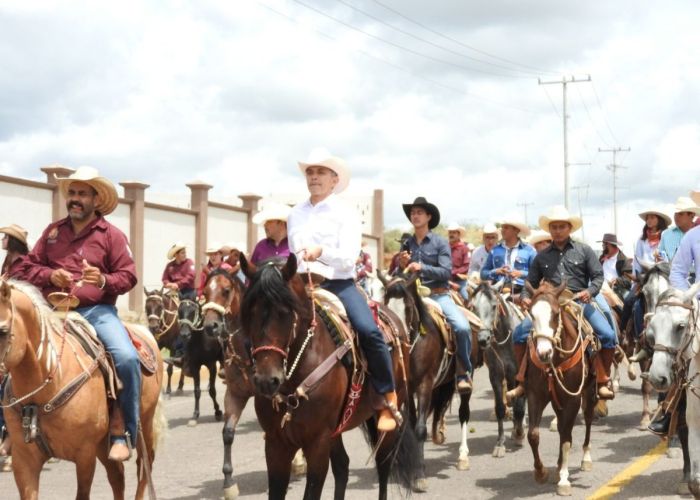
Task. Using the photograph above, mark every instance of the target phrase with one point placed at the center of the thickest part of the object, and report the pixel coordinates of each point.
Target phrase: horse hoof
(601, 409)
(298, 464)
(586, 465)
(564, 490)
(499, 452)
(439, 438)
(616, 386)
(683, 489)
(218, 416)
(553, 426)
(644, 423)
(420, 485)
(192, 423)
(542, 477)
(231, 492)
(463, 464)
(673, 452)
(7, 465)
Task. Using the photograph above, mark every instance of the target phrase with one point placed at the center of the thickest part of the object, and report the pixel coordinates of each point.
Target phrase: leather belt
(441, 289)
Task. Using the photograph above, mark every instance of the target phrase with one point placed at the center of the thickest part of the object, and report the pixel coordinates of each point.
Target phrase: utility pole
(525, 205)
(564, 81)
(580, 211)
(613, 168)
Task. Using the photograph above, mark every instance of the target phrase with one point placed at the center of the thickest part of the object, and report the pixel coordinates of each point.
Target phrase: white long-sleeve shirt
(332, 225)
(687, 257)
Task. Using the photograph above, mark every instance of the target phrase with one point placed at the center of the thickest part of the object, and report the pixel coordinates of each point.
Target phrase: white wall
(25, 206)
(227, 226)
(162, 228)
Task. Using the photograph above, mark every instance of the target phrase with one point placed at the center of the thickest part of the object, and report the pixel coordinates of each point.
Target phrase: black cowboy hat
(429, 207)
(610, 238)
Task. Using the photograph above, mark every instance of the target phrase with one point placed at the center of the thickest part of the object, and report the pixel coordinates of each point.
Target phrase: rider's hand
(584, 296)
(454, 286)
(502, 270)
(526, 302)
(92, 274)
(404, 259)
(413, 267)
(60, 278)
(172, 286)
(516, 274)
(312, 253)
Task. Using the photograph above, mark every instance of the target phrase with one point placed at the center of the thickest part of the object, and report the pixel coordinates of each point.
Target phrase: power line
(613, 167)
(525, 205)
(453, 40)
(590, 118)
(607, 124)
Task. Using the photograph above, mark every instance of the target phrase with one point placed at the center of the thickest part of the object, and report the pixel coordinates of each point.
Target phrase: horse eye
(681, 326)
(4, 330)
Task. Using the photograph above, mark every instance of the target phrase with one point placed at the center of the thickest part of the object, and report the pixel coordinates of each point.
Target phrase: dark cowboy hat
(429, 207)
(610, 238)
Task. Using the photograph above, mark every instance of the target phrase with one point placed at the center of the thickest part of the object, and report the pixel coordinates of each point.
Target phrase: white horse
(674, 334)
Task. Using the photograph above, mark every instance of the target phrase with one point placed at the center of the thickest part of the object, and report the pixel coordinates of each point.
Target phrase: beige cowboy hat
(695, 195)
(456, 227)
(560, 213)
(215, 248)
(522, 227)
(685, 204)
(321, 157)
(16, 232)
(175, 249)
(658, 213)
(273, 211)
(489, 228)
(104, 187)
(538, 236)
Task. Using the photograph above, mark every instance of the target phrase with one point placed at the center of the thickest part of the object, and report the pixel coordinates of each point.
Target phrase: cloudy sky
(439, 98)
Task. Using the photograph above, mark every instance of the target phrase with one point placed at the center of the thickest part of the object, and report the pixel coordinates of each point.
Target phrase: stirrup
(607, 385)
(126, 439)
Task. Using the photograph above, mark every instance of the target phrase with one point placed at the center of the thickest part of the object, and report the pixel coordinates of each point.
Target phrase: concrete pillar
(136, 193)
(378, 223)
(58, 204)
(250, 203)
(200, 204)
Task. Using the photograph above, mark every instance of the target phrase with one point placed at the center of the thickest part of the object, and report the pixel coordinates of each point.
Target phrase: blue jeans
(638, 316)
(460, 326)
(113, 335)
(371, 339)
(462, 288)
(605, 308)
(600, 325)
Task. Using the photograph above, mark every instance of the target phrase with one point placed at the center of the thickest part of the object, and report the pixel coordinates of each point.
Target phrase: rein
(163, 327)
(197, 322)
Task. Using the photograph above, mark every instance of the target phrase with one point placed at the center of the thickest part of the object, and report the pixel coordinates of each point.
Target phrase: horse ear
(646, 264)
(290, 268)
(691, 292)
(528, 287)
(5, 291)
(248, 268)
(145, 290)
(498, 286)
(382, 277)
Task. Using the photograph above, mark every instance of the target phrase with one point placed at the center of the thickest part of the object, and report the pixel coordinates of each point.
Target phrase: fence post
(58, 204)
(200, 204)
(136, 193)
(378, 223)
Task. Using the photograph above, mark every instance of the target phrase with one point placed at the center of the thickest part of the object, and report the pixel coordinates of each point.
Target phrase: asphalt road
(188, 466)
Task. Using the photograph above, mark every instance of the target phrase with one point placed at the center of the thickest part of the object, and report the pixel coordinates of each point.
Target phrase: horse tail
(441, 399)
(160, 424)
(406, 465)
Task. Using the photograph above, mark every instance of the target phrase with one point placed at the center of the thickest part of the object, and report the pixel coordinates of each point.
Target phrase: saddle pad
(514, 309)
(473, 319)
(432, 304)
(327, 298)
(147, 355)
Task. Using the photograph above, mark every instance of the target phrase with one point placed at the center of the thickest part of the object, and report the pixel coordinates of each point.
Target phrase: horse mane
(660, 268)
(233, 278)
(269, 289)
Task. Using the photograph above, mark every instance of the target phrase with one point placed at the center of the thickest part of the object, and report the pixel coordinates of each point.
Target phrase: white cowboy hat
(16, 232)
(456, 227)
(214, 248)
(489, 228)
(560, 213)
(695, 196)
(538, 236)
(273, 211)
(685, 204)
(658, 213)
(321, 157)
(175, 249)
(522, 227)
(109, 199)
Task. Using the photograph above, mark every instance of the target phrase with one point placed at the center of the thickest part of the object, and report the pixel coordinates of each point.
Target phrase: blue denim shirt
(498, 258)
(435, 257)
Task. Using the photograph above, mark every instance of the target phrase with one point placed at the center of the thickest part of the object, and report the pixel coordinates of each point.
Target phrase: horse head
(654, 282)
(675, 317)
(270, 316)
(401, 296)
(223, 294)
(189, 315)
(154, 310)
(546, 322)
(486, 302)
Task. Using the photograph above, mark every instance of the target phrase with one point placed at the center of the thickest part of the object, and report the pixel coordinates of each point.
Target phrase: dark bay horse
(298, 406)
(201, 349)
(432, 373)
(558, 371)
(161, 314)
(42, 360)
(496, 343)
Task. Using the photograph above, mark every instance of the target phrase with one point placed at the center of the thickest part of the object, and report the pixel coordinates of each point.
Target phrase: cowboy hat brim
(643, 215)
(335, 164)
(576, 222)
(429, 207)
(174, 250)
(16, 232)
(109, 199)
(524, 229)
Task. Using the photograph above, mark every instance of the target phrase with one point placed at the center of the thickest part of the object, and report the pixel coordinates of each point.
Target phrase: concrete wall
(227, 226)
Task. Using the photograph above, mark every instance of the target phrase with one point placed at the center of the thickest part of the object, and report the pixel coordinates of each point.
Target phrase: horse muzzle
(484, 338)
(660, 374)
(214, 329)
(268, 385)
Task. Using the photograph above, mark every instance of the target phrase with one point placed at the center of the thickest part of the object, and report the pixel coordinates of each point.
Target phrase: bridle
(688, 333)
(499, 309)
(196, 323)
(163, 325)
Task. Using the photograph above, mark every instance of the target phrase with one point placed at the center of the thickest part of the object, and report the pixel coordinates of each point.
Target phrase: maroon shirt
(266, 249)
(364, 266)
(182, 274)
(205, 273)
(100, 243)
(460, 258)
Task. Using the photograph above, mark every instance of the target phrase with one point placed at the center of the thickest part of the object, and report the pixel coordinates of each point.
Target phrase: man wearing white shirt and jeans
(326, 234)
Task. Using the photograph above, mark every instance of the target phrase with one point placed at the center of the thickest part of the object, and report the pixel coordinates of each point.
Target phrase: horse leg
(233, 407)
(464, 413)
(423, 396)
(646, 412)
(26, 469)
(181, 382)
(534, 411)
(693, 421)
(169, 371)
(85, 472)
(340, 464)
(212, 391)
(197, 393)
(496, 376)
(588, 403)
(279, 461)
(317, 455)
(684, 485)
(567, 418)
(115, 471)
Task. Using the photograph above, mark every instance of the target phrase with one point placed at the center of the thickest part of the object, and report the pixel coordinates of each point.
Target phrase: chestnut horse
(558, 371)
(161, 314)
(279, 321)
(42, 360)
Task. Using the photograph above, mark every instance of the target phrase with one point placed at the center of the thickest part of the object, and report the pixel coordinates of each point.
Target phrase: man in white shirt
(326, 235)
(479, 256)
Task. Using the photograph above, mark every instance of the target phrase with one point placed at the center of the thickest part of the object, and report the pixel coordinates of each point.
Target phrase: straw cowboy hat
(273, 211)
(456, 227)
(214, 248)
(175, 249)
(695, 195)
(428, 207)
(489, 228)
(658, 213)
(560, 213)
(538, 236)
(522, 227)
(104, 187)
(321, 157)
(685, 204)
(16, 231)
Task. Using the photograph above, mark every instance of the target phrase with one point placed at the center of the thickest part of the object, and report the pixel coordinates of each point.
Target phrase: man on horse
(510, 259)
(575, 264)
(215, 253)
(481, 253)
(540, 239)
(326, 234)
(89, 257)
(179, 272)
(460, 259)
(683, 216)
(275, 244)
(429, 255)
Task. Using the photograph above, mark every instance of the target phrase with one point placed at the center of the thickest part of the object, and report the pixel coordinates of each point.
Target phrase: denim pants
(460, 326)
(462, 288)
(600, 325)
(113, 335)
(371, 339)
(605, 309)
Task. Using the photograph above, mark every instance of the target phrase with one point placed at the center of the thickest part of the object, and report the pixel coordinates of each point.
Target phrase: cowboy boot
(661, 424)
(387, 417)
(120, 450)
(603, 362)
(521, 363)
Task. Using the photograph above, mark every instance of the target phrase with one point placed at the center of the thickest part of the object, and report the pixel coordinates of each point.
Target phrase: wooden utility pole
(613, 167)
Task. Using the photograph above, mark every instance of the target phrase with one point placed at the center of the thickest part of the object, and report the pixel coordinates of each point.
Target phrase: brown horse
(161, 314)
(299, 406)
(557, 371)
(42, 360)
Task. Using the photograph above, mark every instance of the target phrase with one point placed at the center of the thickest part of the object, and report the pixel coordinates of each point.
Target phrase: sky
(437, 99)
